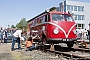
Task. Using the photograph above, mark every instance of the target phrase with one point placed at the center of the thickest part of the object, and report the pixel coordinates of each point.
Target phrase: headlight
(74, 31)
(56, 31)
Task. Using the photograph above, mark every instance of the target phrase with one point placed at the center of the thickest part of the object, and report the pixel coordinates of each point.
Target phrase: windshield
(62, 17)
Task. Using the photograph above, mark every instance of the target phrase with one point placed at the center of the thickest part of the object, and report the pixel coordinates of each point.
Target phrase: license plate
(65, 39)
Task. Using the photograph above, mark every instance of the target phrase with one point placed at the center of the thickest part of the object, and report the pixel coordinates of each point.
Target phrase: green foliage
(12, 26)
(22, 24)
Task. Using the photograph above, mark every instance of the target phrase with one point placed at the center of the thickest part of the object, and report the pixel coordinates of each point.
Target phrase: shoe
(26, 50)
(19, 48)
(12, 49)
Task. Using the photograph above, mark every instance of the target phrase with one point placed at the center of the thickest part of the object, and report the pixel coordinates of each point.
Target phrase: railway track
(69, 55)
(74, 54)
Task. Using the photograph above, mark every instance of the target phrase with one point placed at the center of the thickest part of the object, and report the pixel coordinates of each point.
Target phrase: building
(81, 12)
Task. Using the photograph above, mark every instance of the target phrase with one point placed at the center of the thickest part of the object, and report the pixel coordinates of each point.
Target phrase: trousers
(14, 40)
(31, 48)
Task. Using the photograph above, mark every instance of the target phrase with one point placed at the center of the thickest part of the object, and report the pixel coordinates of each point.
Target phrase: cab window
(61, 17)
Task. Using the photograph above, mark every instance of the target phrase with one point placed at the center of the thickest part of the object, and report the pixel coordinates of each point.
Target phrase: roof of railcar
(51, 9)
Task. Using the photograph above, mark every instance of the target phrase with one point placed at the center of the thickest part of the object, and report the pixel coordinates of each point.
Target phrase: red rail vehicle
(54, 27)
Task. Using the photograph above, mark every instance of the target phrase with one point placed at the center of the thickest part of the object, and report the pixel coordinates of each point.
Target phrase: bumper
(59, 39)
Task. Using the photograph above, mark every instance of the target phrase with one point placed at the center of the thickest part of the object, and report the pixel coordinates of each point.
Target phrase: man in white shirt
(85, 33)
(16, 38)
(79, 33)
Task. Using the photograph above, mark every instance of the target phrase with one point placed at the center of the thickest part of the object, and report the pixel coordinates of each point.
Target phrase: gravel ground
(4, 52)
(7, 54)
(39, 55)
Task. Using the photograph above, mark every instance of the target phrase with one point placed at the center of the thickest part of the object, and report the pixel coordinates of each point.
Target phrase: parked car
(9, 37)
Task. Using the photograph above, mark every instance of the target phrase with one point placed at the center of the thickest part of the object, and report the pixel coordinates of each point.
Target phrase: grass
(20, 56)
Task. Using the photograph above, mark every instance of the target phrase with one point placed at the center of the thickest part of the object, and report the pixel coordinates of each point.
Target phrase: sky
(12, 11)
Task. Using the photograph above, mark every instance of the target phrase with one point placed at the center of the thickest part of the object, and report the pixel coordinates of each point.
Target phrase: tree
(22, 24)
(12, 26)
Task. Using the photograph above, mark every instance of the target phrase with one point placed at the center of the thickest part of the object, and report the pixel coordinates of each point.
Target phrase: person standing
(79, 33)
(1, 34)
(89, 34)
(17, 36)
(5, 36)
(13, 30)
(85, 33)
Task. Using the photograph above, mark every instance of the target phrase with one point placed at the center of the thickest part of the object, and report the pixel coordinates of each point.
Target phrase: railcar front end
(61, 29)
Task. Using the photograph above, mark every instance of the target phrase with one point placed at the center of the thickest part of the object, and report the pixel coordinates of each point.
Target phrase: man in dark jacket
(5, 36)
(89, 32)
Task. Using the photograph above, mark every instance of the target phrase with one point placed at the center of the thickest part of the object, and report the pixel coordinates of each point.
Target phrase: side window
(68, 7)
(42, 19)
(34, 22)
(75, 8)
(75, 17)
(38, 21)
